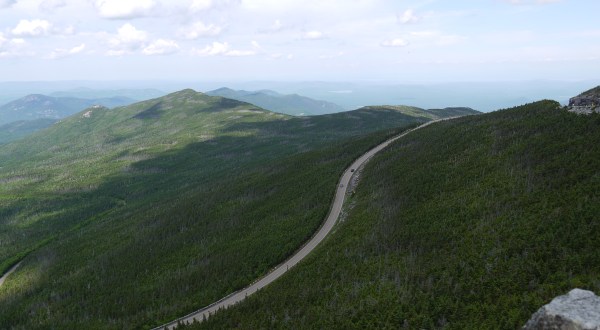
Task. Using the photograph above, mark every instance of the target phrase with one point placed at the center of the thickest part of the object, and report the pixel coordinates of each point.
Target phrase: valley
(180, 188)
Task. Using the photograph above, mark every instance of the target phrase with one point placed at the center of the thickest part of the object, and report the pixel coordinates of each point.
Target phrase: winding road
(12, 269)
(332, 217)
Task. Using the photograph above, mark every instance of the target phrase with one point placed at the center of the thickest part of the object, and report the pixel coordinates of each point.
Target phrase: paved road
(3, 278)
(334, 213)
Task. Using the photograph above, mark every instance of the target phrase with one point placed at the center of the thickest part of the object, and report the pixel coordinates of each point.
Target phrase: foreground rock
(577, 310)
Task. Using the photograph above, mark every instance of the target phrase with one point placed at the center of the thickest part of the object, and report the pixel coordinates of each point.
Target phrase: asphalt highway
(332, 217)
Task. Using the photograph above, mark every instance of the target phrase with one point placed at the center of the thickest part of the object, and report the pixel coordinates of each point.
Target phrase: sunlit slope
(137, 215)
(472, 223)
(419, 112)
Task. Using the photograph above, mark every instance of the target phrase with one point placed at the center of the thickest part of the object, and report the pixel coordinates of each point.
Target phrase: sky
(299, 40)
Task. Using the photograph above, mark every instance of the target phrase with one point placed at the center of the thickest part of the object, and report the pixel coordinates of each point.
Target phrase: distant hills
(21, 128)
(38, 106)
(89, 93)
(292, 104)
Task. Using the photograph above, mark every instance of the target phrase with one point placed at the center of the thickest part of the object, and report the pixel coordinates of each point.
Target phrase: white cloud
(238, 53)
(51, 5)
(10, 47)
(201, 5)
(61, 52)
(313, 35)
(7, 3)
(32, 28)
(127, 40)
(161, 47)
(198, 30)
(397, 42)
(216, 48)
(124, 9)
(224, 49)
(205, 5)
(407, 17)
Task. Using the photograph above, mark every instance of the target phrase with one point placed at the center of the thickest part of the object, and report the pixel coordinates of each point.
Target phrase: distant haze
(483, 96)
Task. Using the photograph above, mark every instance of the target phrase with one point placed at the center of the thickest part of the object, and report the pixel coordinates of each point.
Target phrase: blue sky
(295, 40)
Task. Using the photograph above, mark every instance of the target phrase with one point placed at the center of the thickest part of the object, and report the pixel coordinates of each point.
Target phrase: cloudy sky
(293, 40)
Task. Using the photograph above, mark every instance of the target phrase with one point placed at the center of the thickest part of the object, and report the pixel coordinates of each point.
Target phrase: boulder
(577, 310)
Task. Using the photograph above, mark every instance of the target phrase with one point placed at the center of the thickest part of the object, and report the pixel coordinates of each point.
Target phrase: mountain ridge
(291, 104)
(37, 106)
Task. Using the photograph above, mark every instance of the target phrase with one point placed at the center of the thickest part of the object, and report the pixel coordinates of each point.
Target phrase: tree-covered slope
(133, 216)
(18, 129)
(453, 112)
(419, 112)
(472, 223)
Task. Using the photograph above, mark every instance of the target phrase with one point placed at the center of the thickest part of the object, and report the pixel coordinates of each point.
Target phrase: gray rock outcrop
(586, 103)
(577, 310)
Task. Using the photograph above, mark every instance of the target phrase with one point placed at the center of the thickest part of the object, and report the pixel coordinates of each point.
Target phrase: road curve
(334, 213)
(12, 269)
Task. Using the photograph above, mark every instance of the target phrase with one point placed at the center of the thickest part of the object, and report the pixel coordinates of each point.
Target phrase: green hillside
(18, 129)
(419, 112)
(472, 223)
(137, 215)
(453, 112)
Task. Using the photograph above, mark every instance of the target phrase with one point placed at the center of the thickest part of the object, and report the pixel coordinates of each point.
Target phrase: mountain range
(146, 187)
(134, 216)
(37, 106)
(292, 104)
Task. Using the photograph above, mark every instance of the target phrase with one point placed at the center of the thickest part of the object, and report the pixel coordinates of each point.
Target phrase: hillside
(134, 216)
(37, 106)
(18, 129)
(293, 104)
(429, 114)
(470, 223)
(453, 112)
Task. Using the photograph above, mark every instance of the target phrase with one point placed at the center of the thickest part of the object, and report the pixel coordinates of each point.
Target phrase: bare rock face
(586, 103)
(577, 310)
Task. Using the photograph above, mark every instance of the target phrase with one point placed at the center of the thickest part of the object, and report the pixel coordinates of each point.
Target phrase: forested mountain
(18, 129)
(37, 106)
(431, 113)
(469, 223)
(453, 112)
(293, 104)
(130, 217)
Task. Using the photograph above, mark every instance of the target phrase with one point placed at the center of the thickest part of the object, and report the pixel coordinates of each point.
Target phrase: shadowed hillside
(134, 216)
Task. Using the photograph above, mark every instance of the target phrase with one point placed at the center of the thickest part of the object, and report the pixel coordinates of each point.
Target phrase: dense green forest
(131, 217)
(472, 223)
